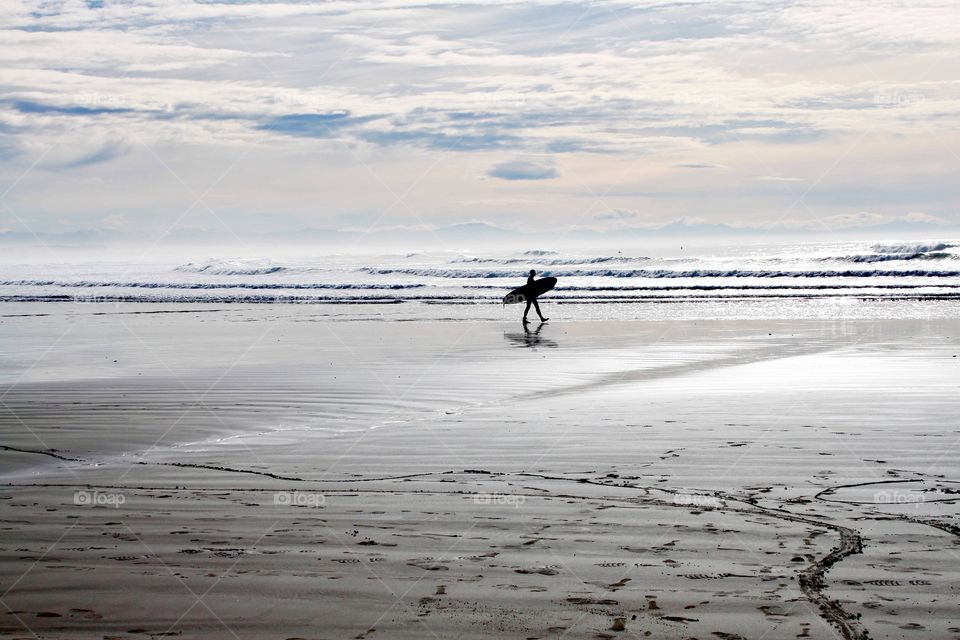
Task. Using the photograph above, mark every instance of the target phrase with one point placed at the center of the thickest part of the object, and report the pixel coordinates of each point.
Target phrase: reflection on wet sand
(530, 337)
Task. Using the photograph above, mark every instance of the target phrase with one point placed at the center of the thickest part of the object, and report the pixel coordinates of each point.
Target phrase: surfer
(529, 293)
(532, 300)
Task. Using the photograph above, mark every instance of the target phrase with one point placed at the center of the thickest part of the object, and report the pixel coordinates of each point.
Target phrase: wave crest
(87, 284)
(667, 273)
(549, 262)
(888, 257)
(911, 247)
(238, 267)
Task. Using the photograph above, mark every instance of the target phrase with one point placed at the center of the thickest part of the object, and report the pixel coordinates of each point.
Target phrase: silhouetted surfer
(532, 300)
(529, 293)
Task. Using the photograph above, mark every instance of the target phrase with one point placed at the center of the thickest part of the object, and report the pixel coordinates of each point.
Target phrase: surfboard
(530, 291)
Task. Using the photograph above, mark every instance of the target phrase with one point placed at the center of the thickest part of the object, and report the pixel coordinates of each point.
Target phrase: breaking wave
(220, 299)
(83, 284)
(667, 273)
(911, 247)
(233, 267)
(680, 294)
(889, 257)
(550, 261)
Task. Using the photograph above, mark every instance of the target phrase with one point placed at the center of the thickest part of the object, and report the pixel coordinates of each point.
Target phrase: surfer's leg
(537, 307)
(526, 311)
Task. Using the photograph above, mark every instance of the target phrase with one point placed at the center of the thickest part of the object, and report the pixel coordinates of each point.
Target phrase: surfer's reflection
(530, 337)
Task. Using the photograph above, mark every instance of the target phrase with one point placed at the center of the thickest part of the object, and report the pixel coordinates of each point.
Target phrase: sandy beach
(536, 320)
(284, 473)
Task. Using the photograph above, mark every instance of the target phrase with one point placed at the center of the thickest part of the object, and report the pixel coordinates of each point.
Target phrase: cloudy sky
(155, 116)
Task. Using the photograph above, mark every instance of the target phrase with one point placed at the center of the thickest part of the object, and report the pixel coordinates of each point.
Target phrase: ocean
(813, 279)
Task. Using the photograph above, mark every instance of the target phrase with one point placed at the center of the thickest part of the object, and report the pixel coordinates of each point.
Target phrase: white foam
(234, 267)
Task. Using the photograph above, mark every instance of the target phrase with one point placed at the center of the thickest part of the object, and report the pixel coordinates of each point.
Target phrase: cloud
(114, 221)
(780, 179)
(862, 220)
(917, 216)
(698, 165)
(440, 140)
(621, 96)
(103, 154)
(521, 170)
(26, 106)
(314, 125)
(616, 214)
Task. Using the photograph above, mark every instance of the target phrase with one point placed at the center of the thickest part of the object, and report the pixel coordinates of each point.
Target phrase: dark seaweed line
(812, 578)
(211, 467)
(822, 495)
(936, 524)
(49, 452)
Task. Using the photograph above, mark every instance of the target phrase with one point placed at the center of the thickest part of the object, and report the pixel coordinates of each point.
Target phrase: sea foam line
(667, 273)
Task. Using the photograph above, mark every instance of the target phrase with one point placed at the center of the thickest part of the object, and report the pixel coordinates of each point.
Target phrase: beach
(545, 320)
(313, 471)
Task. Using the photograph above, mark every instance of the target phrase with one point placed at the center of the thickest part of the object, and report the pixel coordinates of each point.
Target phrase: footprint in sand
(427, 564)
(593, 601)
(896, 583)
(88, 614)
(514, 587)
(610, 587)
(544, 571)
(679, 619)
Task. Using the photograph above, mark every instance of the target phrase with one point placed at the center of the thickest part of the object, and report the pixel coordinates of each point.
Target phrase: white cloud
(616, 214)
(523, 170)
(625, 98)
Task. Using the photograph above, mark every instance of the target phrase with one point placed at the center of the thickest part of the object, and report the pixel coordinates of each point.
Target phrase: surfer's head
(533, 272)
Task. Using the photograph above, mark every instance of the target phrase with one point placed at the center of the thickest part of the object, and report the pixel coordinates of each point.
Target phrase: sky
(171, 118)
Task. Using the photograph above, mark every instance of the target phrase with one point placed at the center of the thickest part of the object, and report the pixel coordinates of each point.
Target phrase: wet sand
(284, 473)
